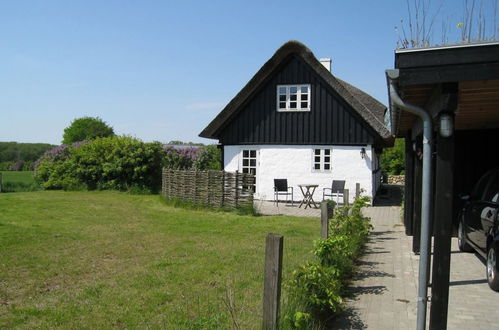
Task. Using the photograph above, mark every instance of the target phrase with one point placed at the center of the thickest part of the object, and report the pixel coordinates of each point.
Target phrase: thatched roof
(371, 110)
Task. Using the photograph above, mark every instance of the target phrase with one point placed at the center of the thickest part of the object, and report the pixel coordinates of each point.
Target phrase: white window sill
(293, 110)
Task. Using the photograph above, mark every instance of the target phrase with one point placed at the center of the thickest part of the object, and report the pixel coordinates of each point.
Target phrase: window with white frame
(293, 97)
(322, 160)
(249, 161)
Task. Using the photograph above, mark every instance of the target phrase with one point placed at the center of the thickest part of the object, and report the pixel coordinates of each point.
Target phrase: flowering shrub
(117, 162)
(208, 158)
(180, 157)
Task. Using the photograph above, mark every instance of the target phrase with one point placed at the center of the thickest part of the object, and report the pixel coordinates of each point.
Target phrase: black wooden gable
(340, 113)
(330, 120)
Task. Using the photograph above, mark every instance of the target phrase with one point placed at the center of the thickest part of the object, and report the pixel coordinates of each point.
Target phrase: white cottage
(294, 120)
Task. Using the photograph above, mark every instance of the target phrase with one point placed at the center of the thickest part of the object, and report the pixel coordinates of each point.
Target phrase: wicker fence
(210, 188)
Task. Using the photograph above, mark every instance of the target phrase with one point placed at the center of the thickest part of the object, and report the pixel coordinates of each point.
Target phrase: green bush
(337, 252)
(316, 290)
(5, 166)
(209, 158)
(393, 159)
(118, 162)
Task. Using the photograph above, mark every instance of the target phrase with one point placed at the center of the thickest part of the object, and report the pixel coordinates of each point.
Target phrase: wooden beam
(443, 99)
(447, 56)
(451, 73)
(444, 207)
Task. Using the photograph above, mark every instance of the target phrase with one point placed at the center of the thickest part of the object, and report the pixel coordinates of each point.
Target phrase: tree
(86, 128)
(209, 158)
(392, 159)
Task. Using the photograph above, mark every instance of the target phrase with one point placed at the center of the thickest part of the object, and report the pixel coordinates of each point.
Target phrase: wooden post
(444, 196)
(324, 221)
(346, 197)
(272, 280)
(357, 190)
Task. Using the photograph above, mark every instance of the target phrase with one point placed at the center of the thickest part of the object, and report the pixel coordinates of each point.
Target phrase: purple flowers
(180, 156)
(58, 153)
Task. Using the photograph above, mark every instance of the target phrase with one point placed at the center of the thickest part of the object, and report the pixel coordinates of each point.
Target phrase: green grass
(18, 181)
(25, 177)
(115, 260)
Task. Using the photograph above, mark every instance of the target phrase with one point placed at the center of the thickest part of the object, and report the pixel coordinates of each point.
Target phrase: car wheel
(461, 239)
(492, 275)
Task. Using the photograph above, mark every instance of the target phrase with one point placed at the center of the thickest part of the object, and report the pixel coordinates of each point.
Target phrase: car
(478, 224)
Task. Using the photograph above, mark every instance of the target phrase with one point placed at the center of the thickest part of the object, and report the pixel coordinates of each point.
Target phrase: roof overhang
(463, 79)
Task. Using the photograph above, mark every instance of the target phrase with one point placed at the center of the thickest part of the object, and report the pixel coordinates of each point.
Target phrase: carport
(458, 87)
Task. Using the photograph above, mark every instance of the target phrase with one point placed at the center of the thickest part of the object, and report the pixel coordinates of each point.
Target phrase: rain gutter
(425, 240)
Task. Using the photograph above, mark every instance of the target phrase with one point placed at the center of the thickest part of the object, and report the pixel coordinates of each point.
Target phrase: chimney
(326, 62)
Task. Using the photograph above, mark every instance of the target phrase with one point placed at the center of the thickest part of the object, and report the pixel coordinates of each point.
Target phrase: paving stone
(385, 285)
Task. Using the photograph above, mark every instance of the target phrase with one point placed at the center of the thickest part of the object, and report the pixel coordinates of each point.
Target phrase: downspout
(425, 240)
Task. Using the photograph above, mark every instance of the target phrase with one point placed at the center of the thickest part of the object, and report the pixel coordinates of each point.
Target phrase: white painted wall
(295, 164)
(377, 176)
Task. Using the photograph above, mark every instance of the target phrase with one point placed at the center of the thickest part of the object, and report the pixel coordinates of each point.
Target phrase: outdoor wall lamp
(446, 125)
(363, 153)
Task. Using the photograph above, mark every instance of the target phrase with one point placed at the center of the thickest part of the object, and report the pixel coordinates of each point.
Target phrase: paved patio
(271, 208)
(384, 290)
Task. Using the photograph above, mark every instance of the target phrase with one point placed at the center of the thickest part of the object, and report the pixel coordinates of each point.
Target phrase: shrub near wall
(316, 290)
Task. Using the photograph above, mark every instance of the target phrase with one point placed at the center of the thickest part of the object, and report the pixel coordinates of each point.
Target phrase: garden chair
(281, 188)
(337, 189)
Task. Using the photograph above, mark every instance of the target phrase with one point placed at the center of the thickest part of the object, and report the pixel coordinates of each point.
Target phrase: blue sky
(161, 70)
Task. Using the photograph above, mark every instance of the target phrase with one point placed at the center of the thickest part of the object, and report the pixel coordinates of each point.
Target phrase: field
(114, 260)
(14, 181)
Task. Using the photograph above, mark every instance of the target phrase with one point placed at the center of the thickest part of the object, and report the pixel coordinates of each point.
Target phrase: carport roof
(470, 72)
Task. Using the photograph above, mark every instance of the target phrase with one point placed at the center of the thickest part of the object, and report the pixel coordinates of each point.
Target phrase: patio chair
(281, 188)
(336, 190)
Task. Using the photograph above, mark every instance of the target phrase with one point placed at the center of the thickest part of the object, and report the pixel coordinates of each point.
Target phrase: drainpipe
(425, 240)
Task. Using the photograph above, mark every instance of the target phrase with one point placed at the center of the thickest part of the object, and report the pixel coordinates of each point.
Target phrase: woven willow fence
(210, 188)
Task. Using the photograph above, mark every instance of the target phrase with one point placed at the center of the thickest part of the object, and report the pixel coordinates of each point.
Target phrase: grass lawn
(18, 176)
(17, 181)
(113, 260)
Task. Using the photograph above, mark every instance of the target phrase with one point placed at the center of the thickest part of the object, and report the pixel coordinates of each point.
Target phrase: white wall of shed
(294, 162)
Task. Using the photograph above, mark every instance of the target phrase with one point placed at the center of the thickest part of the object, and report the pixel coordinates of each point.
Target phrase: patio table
(307, 194)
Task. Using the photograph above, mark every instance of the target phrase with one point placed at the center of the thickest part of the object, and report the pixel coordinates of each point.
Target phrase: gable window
(322, 160)
(293, 97)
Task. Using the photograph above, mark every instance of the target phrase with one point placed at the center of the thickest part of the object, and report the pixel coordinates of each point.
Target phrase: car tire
(492, 271)
(462, 240)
